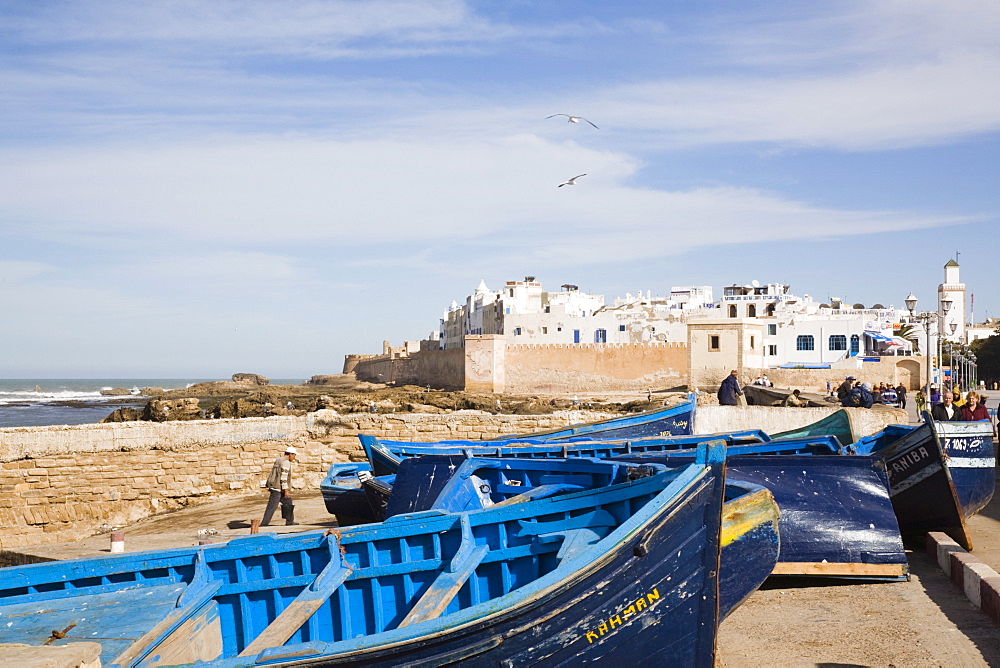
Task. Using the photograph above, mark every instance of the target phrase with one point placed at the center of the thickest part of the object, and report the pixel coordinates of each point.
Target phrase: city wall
(485, 365)
(595, 366)
(67, 482)
(442, 369)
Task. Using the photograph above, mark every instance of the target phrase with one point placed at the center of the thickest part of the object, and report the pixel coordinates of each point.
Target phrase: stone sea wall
(68, 482)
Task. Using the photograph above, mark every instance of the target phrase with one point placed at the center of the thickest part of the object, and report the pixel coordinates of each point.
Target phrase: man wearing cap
(279, 484)
(729, 390)
(845, 387)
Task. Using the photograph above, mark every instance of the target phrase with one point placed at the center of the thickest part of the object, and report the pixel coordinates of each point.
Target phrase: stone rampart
(596, 366)
(63, 483)
(443, 369)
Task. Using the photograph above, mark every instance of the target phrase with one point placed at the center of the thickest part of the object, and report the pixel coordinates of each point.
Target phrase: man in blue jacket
(729, 390)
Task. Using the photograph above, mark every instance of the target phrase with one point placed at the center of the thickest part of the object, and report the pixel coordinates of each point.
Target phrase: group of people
(953, 408)
(855, 394)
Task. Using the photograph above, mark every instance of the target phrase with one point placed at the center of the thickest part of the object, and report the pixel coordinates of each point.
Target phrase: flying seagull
(572, 119)
(571, 182)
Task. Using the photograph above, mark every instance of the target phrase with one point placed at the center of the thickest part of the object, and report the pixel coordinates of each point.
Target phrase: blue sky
(193, 188)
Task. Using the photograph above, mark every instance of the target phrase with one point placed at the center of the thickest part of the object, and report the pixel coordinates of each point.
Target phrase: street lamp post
(926, 317)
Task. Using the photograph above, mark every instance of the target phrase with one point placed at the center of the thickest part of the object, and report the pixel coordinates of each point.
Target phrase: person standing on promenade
(729, 390)
(946, 411)
(901, 395)
(975, 410)
(279, 484)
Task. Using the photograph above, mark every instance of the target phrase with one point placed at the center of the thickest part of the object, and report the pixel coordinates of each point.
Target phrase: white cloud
(16, 271)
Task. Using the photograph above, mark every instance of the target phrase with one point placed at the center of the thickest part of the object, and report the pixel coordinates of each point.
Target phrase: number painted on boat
(682, 425)
(623, 615)
(965, 444)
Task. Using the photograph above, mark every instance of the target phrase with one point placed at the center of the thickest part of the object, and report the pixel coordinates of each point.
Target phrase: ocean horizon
(39, 402)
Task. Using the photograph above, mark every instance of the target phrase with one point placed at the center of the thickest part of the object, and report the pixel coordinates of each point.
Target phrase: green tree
(987, 353)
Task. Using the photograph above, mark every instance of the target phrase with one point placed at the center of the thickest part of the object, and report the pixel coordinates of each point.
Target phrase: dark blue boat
(810, 478)
(624, 573)
(671, 421)
(451, 483)
(971, 461)
(924, 494)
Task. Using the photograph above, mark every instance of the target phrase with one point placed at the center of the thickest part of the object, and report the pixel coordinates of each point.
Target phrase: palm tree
(909, 332)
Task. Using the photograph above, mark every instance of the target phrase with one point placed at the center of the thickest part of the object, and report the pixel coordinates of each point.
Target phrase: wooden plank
(301, 608)
(196, 596)
(447, 585)
(824, 568)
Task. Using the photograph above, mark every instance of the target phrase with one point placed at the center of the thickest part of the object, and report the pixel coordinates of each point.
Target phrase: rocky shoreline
(252, 395)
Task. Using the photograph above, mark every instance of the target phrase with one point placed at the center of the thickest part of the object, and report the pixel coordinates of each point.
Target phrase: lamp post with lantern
(926, 317)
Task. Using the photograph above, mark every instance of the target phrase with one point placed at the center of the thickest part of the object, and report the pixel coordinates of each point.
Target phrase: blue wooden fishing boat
(837, 519)
(343, 494)
(810, 478)
(670, 421)
(385, 455)
(921, 481)
(453, 483)
(971, 461)
(625, 573)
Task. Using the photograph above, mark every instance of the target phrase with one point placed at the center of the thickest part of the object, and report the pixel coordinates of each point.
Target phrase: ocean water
(34, 402)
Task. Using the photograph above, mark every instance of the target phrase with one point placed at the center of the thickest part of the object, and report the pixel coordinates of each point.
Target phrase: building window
(770, 309)
(772, 330)
(804, 342)
(713, 342)
(621, 328)
(751, 310)
(753, 343)
(507, 310)
(545, 330)
(732, 310)
(558, 329)
(517, 331)
(838, 342)
(772, 350)
(855, 344)
(601, 336)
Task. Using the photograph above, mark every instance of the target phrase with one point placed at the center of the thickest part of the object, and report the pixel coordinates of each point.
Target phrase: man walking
(729, 390)
(279, 484)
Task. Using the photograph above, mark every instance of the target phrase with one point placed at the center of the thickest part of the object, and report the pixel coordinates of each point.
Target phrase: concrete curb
(980, 583)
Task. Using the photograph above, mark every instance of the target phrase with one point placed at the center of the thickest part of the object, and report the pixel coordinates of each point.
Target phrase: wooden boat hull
(750, 536)
(920, 483)
(626, 573)
(971, 461)
(836, 516)
(385, 455)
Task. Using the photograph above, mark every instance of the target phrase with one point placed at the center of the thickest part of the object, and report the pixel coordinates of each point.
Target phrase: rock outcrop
(250, 378)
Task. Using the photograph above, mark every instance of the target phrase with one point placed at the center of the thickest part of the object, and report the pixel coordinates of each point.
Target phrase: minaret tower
(953, 289)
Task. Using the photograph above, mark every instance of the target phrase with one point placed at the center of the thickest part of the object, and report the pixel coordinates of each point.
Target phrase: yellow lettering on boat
(617, 620)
